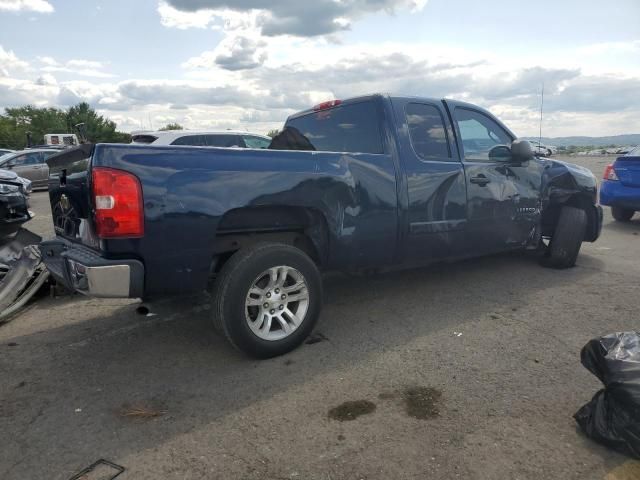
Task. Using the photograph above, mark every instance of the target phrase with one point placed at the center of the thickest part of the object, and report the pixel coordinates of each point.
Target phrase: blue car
(620, 187)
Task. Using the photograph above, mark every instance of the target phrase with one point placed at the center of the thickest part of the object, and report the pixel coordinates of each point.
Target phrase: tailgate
(628, 170)
(69, 194)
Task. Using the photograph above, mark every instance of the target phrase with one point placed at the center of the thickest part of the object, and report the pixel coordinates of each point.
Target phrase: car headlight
(4, 188)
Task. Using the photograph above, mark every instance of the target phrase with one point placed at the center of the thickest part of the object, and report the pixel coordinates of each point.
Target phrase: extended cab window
(479, 134)
(426, 130)
(350, 128)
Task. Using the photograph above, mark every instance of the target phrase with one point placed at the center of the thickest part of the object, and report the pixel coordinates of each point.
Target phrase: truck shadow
(174, 362)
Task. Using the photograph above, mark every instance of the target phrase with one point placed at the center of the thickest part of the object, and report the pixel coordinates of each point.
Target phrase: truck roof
(360, 98)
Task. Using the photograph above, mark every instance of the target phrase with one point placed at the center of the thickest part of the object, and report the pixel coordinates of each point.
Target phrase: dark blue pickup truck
(369, 183)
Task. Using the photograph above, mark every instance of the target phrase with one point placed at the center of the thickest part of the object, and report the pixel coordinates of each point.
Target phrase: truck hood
(9, 176)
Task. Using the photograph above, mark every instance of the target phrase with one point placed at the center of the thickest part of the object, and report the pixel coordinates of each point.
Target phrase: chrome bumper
(82, 270)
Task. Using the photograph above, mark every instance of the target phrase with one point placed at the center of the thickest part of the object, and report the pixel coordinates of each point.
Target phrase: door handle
(480, 180)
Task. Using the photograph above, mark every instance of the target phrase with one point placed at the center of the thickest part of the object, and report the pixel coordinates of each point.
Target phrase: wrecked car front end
(14, 202)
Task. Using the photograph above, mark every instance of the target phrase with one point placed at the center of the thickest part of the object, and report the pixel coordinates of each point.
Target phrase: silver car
(29, 164)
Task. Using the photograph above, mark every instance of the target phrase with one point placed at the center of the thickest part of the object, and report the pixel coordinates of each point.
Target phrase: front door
(503, 196)
(434, 180)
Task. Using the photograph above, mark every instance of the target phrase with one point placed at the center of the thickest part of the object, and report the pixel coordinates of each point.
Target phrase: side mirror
(521, 150)
(500, 153)
(8, 165)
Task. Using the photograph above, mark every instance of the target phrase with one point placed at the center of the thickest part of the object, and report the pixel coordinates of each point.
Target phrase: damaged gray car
(22, 273)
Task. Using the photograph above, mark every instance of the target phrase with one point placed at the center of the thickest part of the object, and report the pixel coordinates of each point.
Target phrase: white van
(61, 139)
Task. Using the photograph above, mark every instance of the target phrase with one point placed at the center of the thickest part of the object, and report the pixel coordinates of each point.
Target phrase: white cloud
(39, 6)
(234, 52)
(80, 67)
(632, 46)
(284, 17)
(174, 18)
(46, 79)
(10, 62)
(85, 64)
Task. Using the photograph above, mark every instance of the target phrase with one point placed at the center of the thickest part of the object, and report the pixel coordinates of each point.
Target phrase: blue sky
(249, 63)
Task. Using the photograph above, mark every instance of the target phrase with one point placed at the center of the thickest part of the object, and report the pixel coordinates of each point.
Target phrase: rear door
(434, 180)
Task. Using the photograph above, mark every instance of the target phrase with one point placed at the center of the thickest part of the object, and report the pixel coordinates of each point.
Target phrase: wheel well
(303, 228)
(552, 212)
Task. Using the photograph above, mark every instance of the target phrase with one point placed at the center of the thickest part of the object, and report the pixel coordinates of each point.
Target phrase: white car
(542, 150)
(225, 138)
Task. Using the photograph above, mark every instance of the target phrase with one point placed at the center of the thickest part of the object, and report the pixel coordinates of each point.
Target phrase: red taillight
(325, 105)
(117, 198)
(610, 173)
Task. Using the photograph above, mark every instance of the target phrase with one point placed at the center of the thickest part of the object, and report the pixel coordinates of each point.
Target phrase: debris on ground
(22, 272)
(612, 417)
(141, 411)
(100, 470)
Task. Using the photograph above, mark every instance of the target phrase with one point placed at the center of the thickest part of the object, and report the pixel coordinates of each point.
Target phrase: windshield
(6, 157)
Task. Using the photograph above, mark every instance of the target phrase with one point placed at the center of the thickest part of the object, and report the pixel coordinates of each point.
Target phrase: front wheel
(622, 214)
(567, 238)
(267, 299)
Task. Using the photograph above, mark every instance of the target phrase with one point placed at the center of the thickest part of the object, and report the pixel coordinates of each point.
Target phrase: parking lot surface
(468, 370)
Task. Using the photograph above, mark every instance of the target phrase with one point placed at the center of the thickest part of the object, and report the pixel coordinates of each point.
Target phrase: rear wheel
(567, 238)
(267, 299)
(622, 214)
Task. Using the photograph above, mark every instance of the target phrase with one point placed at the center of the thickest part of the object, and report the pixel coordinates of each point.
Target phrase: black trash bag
(612, 417)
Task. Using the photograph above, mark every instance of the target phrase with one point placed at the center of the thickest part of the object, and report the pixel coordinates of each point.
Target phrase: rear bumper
(615, 194)
(82, 270)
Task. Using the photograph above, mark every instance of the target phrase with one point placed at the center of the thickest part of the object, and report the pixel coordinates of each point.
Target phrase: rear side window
(192, 140)
(223, 141)
(256, 142)
(350, 128)
(144, 139)
(426, 130)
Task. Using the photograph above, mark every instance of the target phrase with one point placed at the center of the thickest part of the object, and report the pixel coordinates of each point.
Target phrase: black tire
(567, 238)
(231, 288)
(549, 153)
(622, 214)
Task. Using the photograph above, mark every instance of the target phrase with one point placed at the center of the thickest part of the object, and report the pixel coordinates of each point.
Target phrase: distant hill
(622, 140)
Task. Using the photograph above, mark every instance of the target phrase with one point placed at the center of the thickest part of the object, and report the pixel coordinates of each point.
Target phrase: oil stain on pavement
(351, 410)
(422, 402)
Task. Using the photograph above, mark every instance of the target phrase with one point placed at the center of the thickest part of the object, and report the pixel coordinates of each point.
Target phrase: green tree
(16, 122)
(172, 126)
(98, 128)
(273, 133)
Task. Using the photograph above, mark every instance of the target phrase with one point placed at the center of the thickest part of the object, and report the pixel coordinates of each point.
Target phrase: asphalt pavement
(469, 370)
